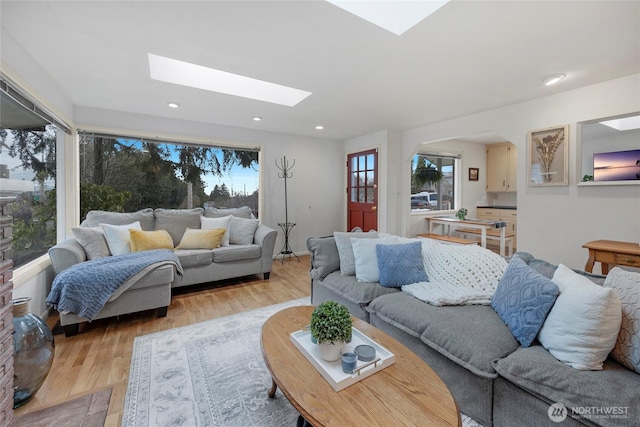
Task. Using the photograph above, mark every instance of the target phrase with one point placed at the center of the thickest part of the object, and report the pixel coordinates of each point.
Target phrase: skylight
(396, 16)
(627, 123)
(192, 75)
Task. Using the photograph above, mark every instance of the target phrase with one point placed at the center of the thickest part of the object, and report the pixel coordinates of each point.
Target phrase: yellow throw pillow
(148, 240)
(195, 238)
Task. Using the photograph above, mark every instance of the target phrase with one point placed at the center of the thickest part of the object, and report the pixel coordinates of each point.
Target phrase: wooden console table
(612, 252)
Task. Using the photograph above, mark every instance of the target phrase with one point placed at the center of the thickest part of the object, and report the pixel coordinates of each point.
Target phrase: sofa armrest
(266, 238)
(65, 254)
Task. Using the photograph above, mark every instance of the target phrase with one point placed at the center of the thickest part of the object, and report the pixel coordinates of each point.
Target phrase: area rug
(85, 411)
(208, 374)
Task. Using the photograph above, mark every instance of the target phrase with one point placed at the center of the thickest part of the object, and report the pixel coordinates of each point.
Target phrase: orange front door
(362, 190)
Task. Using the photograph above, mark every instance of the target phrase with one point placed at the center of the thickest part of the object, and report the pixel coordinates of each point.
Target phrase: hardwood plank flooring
(100, 355)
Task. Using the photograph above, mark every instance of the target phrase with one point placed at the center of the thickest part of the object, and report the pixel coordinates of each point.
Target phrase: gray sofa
(493, 379)
(152, 290)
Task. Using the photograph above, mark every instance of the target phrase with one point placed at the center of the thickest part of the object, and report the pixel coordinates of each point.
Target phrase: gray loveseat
(493, 379)
(249, 252)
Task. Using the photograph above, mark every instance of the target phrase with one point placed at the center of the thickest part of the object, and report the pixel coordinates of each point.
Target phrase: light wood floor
(99, 357)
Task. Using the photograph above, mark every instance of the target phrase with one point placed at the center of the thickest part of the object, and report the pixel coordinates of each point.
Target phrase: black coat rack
(286, 225)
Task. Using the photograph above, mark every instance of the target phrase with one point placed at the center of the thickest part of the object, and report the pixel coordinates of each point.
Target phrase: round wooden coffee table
(406, 393)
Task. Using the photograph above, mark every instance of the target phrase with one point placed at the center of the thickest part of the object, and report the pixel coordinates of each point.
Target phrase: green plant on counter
(461, 214)
(587, 178)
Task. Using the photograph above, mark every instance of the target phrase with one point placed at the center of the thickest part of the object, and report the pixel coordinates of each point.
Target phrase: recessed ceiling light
(627, 123)
(549, 80)
(257, 118)
(394, 16)
(319, 127)
(173, 104)
(192, 75)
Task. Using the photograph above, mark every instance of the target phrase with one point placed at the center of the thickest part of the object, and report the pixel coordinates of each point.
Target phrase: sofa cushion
(196, 238)
(627, 285)
(236, 253)
(583, 325)
(194, 257)
(470, 335)
(242, 230)
(535, 370)
(223, 222)
(93, 241)
(242, 212)
(147, 240)
(324, 256)
(523, 300)
(144, 216)
(176, 221)
(400, 264)
(547, 269)
(345, 250)
(364, 255)
(348, 287)
(118, 237)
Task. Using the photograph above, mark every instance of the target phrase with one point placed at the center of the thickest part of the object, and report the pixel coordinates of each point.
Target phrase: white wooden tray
(332, 371)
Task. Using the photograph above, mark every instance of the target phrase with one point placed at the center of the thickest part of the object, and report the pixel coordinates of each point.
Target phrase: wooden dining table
(482, 225)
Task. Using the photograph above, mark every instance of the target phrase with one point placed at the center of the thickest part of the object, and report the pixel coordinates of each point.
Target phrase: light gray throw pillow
(324, 256)
(242, 230)
(93, 241)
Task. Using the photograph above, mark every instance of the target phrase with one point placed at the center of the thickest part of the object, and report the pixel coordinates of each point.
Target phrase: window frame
(161, 138)
(455, 179)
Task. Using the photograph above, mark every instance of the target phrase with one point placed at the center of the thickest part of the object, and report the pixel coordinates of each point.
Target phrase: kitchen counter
(498, 207)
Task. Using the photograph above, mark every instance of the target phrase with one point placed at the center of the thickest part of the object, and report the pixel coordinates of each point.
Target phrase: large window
(433, 182)
(120, 173)
(28, 173)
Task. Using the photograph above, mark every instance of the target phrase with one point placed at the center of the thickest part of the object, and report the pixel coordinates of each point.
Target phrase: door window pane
(370, 195)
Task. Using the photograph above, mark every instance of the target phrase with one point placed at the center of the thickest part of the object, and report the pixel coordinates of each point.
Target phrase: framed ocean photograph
(616, 166)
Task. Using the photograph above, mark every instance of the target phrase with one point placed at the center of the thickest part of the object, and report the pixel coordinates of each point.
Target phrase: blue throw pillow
(523, 300)
(400, 264)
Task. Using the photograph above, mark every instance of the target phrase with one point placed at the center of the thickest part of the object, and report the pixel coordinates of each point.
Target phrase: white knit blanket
(458, 274)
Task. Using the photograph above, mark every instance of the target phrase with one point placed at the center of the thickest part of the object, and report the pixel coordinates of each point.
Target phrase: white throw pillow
(583, 324)
(211, 223)
(627, 284)
(118, 237)
(345, 250)
(366, 260)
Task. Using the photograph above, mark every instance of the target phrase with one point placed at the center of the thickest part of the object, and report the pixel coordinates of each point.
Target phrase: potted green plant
(462, 214)
(331, 326)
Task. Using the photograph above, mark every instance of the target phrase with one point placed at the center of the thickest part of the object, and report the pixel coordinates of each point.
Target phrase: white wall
(554, 222)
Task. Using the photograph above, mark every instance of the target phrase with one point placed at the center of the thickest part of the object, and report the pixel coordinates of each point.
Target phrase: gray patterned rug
(208, 374)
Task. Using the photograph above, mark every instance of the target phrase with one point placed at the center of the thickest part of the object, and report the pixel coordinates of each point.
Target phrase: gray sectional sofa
(493, 379)
(249, 252)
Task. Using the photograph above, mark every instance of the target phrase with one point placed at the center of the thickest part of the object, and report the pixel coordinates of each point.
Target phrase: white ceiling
(469, 56)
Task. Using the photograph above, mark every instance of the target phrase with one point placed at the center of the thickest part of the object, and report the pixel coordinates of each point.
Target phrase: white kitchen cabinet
(502, 164)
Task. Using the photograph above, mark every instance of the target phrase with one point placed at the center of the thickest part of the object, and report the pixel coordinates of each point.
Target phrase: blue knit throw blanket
(85, 288)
